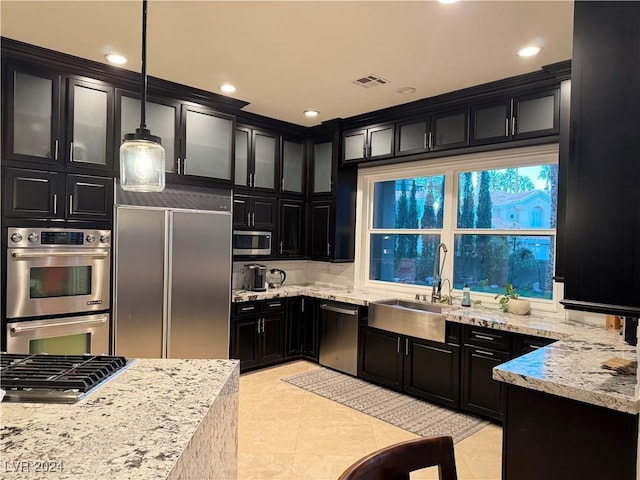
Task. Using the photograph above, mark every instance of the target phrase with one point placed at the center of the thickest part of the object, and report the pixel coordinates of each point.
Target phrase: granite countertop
(570, 367)
(135, 426)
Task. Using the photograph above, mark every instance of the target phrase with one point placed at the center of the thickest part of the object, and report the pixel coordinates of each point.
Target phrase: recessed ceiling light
(446, 2)
(227, 88)
(406, 90)
(116, 58)
(311, 113)
(529, 51)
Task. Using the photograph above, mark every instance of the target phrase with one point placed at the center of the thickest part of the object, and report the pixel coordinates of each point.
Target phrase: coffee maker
(254, 277)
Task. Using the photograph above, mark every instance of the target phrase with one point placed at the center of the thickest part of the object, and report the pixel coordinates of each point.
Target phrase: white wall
(301, 272)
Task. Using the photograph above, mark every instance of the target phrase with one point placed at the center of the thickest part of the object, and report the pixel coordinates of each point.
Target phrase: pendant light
(141, 154)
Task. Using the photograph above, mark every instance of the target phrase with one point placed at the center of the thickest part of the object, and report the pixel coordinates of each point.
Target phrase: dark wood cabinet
(382, 357)
(293, 167)
(254, 212)
(256, 159)
(43, 195)
(320, 213)
(291, 228)
(482, 350)
(33, 115)
(372, 143)
(89, 128)
(520, 117)
(602, 229)
(440, 131)
(310, 333)
(294, 324)
(258, 333)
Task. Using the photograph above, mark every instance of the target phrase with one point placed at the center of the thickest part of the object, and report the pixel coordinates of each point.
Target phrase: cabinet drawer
(273, 305)
(246, 308)
(523, 344)
(452, 336)
(485, 337)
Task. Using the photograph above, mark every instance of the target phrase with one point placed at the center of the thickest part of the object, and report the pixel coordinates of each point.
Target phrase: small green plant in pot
(510, 301)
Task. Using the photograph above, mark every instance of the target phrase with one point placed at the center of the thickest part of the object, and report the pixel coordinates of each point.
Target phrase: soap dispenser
(466, 296)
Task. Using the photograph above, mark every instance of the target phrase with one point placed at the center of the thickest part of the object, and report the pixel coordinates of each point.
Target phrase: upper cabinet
(39, 129)
(373, 143)
(33, 116)
(207, 143)
(293, 167)
(516, 118)
(162, 118)
(256, 159)
(435, 132)
(322, 168)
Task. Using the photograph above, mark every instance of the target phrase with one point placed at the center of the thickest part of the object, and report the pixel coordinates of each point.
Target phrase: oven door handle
(20, 329)
(85, 253)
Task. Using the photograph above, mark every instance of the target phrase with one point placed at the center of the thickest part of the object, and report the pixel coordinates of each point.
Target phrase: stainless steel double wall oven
(58, 290)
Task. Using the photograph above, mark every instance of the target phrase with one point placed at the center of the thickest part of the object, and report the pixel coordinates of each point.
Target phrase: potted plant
(509, 301)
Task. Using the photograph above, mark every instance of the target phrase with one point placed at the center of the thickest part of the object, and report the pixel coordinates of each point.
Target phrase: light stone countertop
(570, 367)
(137, 425)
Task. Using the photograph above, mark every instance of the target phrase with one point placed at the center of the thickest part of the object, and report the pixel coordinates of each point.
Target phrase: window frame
(450, 167)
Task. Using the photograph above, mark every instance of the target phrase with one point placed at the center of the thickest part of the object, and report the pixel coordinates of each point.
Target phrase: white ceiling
(286, 57)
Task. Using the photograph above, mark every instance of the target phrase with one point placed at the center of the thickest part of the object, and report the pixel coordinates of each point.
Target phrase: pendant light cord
(143, 86)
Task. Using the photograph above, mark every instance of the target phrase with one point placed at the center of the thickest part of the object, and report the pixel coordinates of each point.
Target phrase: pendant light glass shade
(141, 154)
(141, 164)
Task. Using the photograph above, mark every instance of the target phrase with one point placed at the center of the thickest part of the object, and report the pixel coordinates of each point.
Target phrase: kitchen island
(158, 419)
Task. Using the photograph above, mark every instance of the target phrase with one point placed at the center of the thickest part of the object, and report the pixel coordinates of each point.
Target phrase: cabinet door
(89, 197)
(449, 130)
(272, 337)
(491, 123)
(242, 155)
(480, 392)
(33, 115)
(294, 323)
(263, 213)
(293, 167)
(320, 229)
(208, 143)
(310, 328)
(536, 115)
(241, 211)
(380, 142)
(432, 371)
(354, 146)
(265, 155)
(412, 136)
(244, 342)
(161, 117)
(382, 357)
(322, 168)
(89, 124)
(291, 228)
(33, 193)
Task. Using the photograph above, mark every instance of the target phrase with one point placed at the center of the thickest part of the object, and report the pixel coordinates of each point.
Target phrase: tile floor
(287, 433)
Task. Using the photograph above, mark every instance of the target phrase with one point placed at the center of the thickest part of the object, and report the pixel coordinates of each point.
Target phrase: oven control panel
(52, 237)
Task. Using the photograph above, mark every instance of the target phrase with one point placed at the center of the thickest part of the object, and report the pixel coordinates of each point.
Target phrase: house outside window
(496, 212)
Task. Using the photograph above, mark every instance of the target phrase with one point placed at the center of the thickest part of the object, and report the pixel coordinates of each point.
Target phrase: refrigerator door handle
(166, 309)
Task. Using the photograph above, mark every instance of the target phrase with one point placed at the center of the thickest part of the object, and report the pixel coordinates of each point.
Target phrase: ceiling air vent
(369, 81)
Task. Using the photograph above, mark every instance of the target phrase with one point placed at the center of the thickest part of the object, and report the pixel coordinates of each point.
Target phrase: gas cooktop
(55, 378)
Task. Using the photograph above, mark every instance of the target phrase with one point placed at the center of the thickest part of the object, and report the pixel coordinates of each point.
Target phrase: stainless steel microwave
(251, 243)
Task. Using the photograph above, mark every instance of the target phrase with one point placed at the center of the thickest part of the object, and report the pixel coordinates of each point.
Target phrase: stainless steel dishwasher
(339, 337)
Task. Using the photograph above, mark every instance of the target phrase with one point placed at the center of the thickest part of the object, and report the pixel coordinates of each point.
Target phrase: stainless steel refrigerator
(172, 282)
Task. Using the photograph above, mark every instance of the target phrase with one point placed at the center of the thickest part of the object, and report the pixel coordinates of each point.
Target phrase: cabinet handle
(430, 141)
(513, 125)
(263, 325)
(252, 179)
(398, 349)
(178, 166)
(71, 152)
(484, 337)
(184, 166)
(302, 305)
(70, 204)
(55, 202)
(281, 247)
(253, 219)
(535, 347)
(282, 184)
(328, 249)
(406, 346)
(248, 219)
(258, 325)
(506, 127)
(247, 309)
(425, 141)
(482, 352)
(55, 156)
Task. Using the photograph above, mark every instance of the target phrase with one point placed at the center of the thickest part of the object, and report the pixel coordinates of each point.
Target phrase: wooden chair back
(395, 462)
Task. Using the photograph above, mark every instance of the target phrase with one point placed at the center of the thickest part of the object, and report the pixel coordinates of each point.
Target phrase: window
(495, 212)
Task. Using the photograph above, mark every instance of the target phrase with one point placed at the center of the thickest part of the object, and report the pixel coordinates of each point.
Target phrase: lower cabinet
(258, 333)
(426, 369)
(310, 331)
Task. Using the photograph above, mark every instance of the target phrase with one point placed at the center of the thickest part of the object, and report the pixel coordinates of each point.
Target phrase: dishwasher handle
(344, 311)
